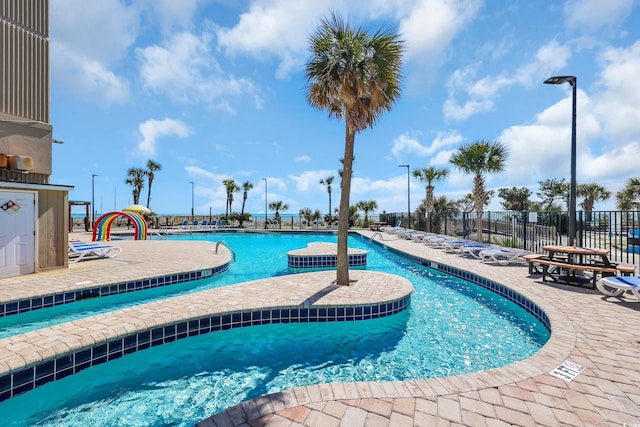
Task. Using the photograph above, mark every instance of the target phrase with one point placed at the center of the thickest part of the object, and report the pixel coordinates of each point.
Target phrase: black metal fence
(617, 231)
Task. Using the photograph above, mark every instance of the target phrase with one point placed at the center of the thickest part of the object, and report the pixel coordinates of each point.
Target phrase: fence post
(525, 225)
(580, 229)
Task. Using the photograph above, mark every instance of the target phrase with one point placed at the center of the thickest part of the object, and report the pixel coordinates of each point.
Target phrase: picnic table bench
(551, 268)
(377, 225)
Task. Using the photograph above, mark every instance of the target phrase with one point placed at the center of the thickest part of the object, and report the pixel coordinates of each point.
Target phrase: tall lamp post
(191, 182)
(265, 202)
(573, 81)
(408, 194)
(93, 210)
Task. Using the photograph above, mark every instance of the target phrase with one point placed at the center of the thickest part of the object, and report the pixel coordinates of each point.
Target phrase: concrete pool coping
(586, 327)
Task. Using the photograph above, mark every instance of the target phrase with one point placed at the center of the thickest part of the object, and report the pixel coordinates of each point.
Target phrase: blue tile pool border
(50, 300)
(325, 261)
(24, 380)
(502, 290)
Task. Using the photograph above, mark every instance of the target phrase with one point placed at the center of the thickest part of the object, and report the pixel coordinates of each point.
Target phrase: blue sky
(215, 90)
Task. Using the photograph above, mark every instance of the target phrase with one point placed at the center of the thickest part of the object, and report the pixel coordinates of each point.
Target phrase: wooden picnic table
(375, 226)
(569, 260)
(579, 255)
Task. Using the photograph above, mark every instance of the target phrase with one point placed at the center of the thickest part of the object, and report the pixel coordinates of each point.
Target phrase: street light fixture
(191, 182)
(265, 202)
(408, 194)
(93, 210)
(573, 81)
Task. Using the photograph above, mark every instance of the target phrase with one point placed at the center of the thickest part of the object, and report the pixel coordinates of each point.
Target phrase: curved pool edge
(295, 405)
(128, 272)
(35, 358)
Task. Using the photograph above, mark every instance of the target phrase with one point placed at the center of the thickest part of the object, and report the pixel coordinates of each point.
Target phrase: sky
(215, 89)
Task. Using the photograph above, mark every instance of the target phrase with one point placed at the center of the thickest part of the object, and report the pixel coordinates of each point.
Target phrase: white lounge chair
(615, 286)
(474, 249)
(503, 256)
(81, 250)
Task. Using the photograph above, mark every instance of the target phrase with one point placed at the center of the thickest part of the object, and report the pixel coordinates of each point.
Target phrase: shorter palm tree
(136, 180)
(231, 187)
(443, 209)
(366, 206)
(317, 216)
(628, 198)
(592, 193)
(430, 175)
(278, 206)
(152, 167)
(328, 181)
(478, 159)
(307, 214)
(246, 187)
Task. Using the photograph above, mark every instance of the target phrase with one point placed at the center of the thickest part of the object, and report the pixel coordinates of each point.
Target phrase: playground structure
(102, 228)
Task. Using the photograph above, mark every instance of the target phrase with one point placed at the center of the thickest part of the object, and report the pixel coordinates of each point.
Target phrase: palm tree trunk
(342, 262)
(149, 194)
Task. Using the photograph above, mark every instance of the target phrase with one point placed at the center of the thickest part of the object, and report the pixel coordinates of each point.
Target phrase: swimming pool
(470, 327)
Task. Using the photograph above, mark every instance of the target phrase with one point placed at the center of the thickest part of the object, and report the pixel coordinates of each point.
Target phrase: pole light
(408, 194)
(192, 199)
(93, 210)
(265, 202)
(573, 81)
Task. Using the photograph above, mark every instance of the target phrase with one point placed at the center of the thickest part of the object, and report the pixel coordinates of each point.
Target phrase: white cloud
(549, 58)
(405, 146)
(172, 14)
(453, 111)
(431, 25)
(151, 130)
(618, 104)
(588, 16)
(309, 181)
(279, 28)
(302, 159)
(87, 43)
(185, 69)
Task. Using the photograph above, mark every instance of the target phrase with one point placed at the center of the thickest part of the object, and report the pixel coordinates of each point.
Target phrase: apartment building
(33, 212)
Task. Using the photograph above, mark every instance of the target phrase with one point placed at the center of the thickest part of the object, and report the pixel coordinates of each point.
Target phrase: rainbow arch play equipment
(102, 228)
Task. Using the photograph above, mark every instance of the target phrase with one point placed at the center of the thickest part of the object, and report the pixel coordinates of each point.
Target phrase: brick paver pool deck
(602, 334)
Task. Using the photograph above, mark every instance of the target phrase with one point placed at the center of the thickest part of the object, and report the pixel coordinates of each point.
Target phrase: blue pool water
(451, 327)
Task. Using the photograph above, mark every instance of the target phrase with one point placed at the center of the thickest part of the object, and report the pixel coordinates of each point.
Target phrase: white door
(17, 233)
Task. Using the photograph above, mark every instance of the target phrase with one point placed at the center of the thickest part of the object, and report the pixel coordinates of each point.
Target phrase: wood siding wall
(53, 217)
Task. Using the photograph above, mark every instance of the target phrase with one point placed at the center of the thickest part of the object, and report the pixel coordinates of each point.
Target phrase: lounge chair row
(485, 252)
(614, 285)
(204, 225)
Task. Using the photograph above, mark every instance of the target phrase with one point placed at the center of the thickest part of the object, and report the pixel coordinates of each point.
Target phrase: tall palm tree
(278, 206)
(478, 159)
(246, 187)
(430, 175)
(136, 180)
(152, 167)
(231, 187)
(353, 76)
(328, 181)
(366, 206)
